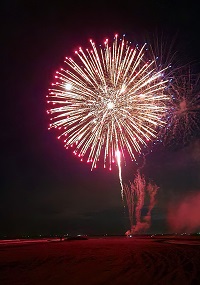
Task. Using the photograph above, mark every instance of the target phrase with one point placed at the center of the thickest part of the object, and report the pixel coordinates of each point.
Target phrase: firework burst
(110, 100)
(184, 116)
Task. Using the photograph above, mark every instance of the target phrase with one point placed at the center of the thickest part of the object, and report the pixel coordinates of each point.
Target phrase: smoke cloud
(184, 216)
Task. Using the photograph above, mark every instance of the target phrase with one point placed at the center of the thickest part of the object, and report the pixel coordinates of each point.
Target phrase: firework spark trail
(139, 185)
(152, 189)
(112, 98)
(118, 158)
(135, 194)
(135, 200)
(129, 195)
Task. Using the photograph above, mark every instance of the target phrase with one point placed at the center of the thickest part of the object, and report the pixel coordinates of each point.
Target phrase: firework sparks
(183, 119)
(135, 196)
(111, 99)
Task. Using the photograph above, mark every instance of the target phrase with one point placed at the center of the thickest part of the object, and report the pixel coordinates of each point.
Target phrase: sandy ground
(101, 261)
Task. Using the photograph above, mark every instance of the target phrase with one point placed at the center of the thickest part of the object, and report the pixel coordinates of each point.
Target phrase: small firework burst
(184, 116)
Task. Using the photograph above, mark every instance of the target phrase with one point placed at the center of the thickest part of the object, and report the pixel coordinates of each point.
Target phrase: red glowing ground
(96, 261)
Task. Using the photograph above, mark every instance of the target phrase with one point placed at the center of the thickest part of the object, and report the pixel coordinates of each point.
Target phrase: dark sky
(44, 188)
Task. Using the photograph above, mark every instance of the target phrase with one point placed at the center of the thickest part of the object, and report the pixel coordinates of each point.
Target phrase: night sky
(45, 189)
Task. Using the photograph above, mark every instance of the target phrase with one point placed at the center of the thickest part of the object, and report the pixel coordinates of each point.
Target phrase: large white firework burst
(110, 99)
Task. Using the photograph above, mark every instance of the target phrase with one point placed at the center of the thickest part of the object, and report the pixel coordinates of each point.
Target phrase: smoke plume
(184, 216)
